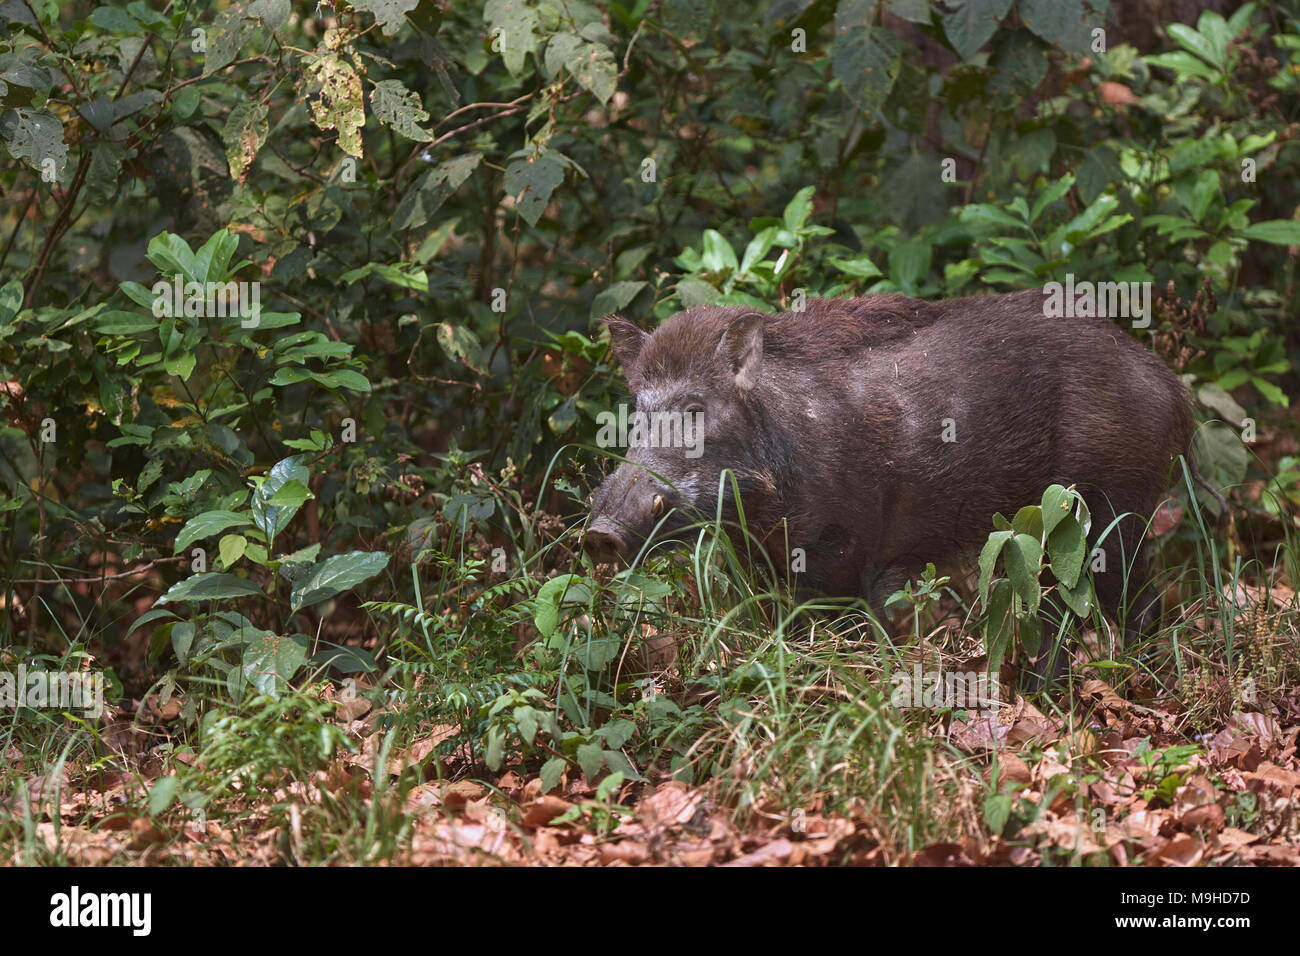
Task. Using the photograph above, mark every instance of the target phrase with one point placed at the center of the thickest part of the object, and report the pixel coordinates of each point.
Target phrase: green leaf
(206, 525)
(591, 64)
(1184, 64)
(989, 557)
(460, 344)
(335, 575)
(860, 268)
(11, 300)
(1022, 559)
(231, 29)
(997, 811)
(173, 256)
(164, 789)
(270, 661)
(1000, 623)
(1050, 195)
(591, 758)
(273, 518)
(798, 209)
(531, 181)
(616, 297)
(1057, 505)
(231, 549)
(561, 589)
(982, 214)
(718, 254)
(1079, 597)
(433, 189)
(345, 659)
(514, 24)
(389, 14)
(1031, 633)
(866, 60)
(210, 586)
(1068, 549)
(551, 773)
(1280, 232)
(400, 109)
(972, 23)
(692, 292)
(1063, 24)
(1193, 42)
(1270, 391)
(1029, 520)
(182, 641)
(34, 136)
(157, 613)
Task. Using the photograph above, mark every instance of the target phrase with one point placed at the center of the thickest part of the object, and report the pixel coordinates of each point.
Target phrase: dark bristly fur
(833, 420)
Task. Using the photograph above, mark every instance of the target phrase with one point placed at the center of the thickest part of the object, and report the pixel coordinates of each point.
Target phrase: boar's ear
(626, 339)
(741, 349)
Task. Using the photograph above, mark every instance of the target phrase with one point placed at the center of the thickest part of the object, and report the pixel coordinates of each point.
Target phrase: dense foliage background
(440, 200)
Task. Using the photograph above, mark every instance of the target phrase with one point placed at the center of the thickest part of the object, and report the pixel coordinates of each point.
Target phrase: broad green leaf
(513, 24)
(616, 297)
(798, 209)
(591, 758)
(271, 660)
(164, 789)
(531, 180)
(989, 558)
(1022, 558)
(1063, 24)
(158, 613)
(552, 772)
(35, 136)
(972, 23)
(1067, 548)
(346, 659)
(1057, 505)
(866, 60)
(1078, 598)
(422, 200)
(1000, 623)
(210, 586)
(272, 518)
(1029, 520)
(1031, 633)
(389, 14)
(1280, 232)
(231, 549)
(335, 575)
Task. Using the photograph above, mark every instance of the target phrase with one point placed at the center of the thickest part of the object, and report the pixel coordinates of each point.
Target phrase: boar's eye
(694, 407)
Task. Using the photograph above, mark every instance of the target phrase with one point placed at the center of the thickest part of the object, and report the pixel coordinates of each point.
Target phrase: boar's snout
(606, 542)
(627, 507)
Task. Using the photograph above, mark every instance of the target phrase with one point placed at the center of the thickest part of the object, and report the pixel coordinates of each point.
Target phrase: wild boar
(881, 433)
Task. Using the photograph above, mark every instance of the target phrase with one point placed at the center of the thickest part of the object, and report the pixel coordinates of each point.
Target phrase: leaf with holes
(401, 109)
